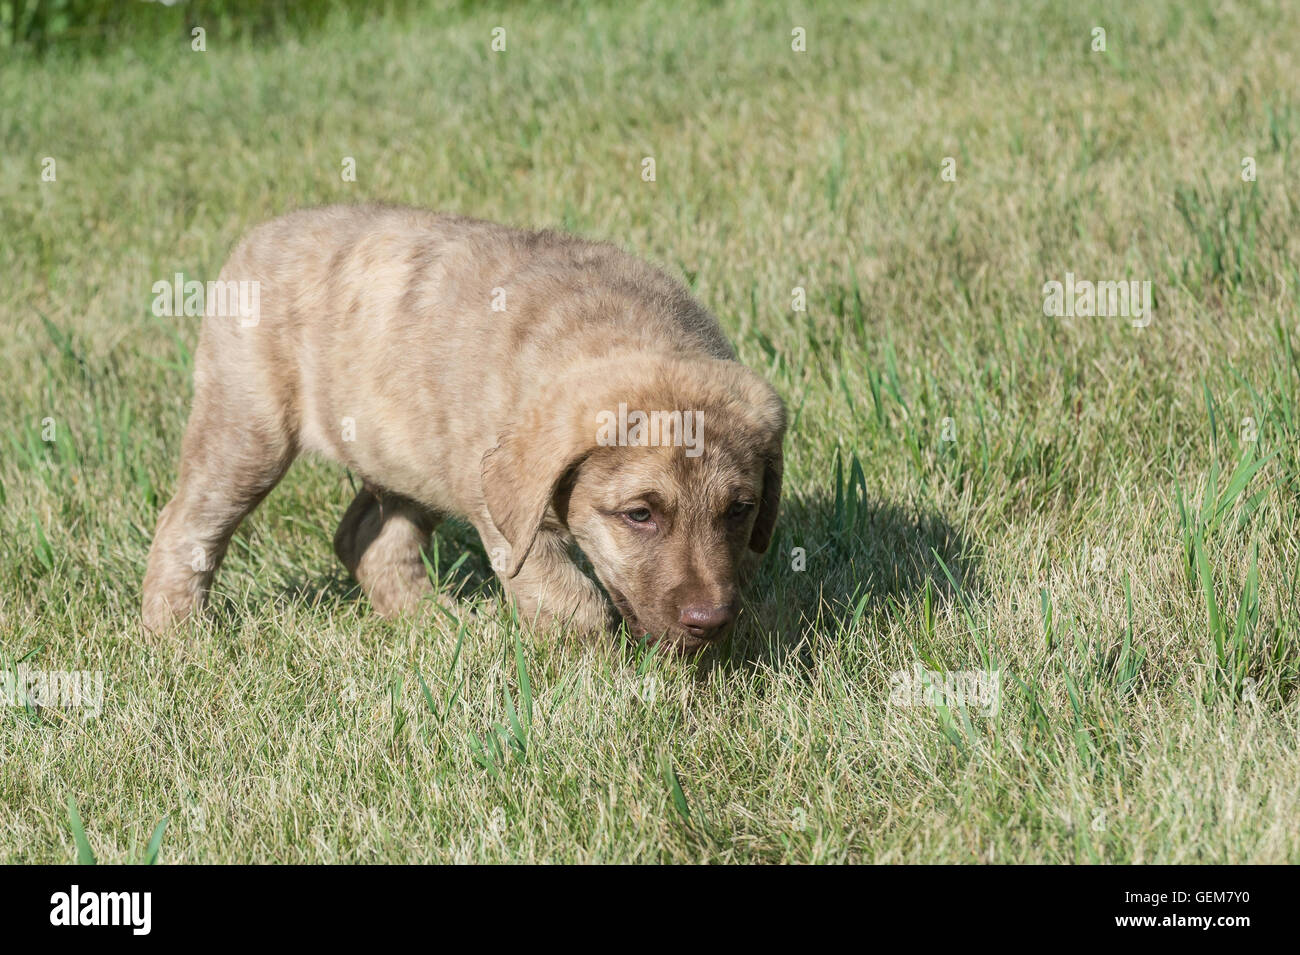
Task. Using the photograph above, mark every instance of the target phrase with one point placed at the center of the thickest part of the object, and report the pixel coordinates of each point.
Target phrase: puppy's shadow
(454, 554)
(830, 557)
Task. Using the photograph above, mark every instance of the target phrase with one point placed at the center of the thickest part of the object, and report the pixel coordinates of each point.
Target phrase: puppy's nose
(704, 620)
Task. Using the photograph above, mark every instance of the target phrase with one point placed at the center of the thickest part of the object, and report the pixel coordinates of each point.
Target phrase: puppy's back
(456, 321)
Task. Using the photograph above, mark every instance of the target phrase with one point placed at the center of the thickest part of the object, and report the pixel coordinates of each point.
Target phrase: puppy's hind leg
(229, 462)
(379, 542)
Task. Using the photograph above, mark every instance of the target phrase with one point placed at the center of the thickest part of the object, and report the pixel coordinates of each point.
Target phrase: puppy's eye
(739, 509)
(640, 515)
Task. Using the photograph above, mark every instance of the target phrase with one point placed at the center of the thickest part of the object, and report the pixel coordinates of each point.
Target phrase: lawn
(1103, 510)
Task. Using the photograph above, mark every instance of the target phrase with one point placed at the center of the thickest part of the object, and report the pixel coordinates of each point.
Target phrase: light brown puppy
(549, 389)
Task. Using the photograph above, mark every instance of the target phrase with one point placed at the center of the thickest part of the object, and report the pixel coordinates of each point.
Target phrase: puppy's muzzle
(706, 622)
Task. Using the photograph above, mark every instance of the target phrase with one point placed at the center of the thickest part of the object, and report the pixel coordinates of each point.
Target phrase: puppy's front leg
(379, 541)
(550, 588)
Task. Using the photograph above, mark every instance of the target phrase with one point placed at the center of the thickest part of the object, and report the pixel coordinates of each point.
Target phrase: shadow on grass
(460, 567)
(857, 562)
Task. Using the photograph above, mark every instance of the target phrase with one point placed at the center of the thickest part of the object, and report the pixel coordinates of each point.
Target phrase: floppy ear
(520, 477)
(765, 523)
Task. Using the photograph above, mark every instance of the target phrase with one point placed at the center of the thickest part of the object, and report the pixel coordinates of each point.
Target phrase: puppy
(550, 390)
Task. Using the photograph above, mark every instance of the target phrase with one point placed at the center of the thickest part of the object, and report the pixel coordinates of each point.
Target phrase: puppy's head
(664, 471)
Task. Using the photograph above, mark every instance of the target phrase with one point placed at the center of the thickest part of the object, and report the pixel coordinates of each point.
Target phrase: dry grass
(1085, 510)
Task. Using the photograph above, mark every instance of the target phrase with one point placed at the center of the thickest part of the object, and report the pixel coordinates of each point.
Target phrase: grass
(1106, 514)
